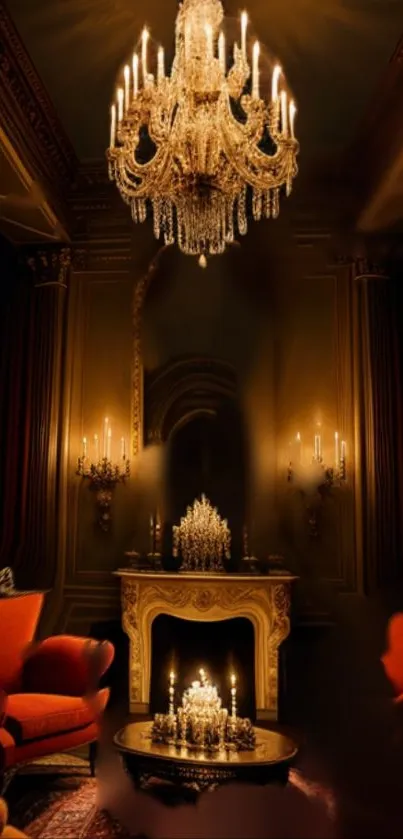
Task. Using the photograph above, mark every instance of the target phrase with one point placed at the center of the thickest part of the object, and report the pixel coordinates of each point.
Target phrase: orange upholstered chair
(392, 659)
(44, 686)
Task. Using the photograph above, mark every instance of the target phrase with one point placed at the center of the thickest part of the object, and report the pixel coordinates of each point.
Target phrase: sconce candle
(84, 447)
(244, 26)
(233, 696)
(96, 447)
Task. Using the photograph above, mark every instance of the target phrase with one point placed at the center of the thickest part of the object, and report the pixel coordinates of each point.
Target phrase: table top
(271, 748)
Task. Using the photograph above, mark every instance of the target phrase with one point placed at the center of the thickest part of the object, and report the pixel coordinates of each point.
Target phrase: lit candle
(202, 675)
(113, 126)
(144, 41)
(292, 112)
(274, 82)
(298, 447)
(209, 39)
(171, 692)
(109, 443)
(255, 70)
(106, 424)
(96, 447)
(317, 447)
(161, 67)
(343, 452)
(221, 52)
(284, 121)
(233, 695)
(135, 74)
(84, 447)
(120, 103)
(126, 74)
(336, 450)
(244, 26)
(123, 448)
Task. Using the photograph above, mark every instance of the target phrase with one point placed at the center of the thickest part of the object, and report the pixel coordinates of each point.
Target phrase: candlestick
(255, 70)
(284, 121)
(244, 26)
(113, 126)
(161, 67)
(84, 447)
(336, 450)
(105, 441)
(120, 96)
(274, 82)
(209, 39)
(126, 73)
(135, 74)
(221, 52)
(144, 41)
(233, 696)
(109, 444)
(298, 446)
(96, 447)
(171, 693)
(292, 111)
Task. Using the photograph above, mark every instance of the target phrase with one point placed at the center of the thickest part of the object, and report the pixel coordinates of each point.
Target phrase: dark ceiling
(334, 52)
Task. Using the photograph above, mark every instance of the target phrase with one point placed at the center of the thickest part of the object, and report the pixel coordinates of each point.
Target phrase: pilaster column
(376, 426)
(47, 275)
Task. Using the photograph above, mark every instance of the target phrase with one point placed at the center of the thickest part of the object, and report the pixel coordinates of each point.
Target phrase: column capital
(50, 266)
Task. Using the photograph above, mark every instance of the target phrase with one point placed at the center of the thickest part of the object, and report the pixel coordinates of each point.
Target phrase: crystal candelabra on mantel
(202, 538)
(201, 723)
(102, 472)
(312, 476)
(215, 138)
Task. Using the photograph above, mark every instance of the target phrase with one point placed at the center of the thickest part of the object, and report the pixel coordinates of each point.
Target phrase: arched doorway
(193, 406)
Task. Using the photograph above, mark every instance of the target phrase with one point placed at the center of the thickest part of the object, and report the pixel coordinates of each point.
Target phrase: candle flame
(233, 679)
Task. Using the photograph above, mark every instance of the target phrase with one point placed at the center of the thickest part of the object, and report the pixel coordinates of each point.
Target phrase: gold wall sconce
(102, 472)
(313, 477)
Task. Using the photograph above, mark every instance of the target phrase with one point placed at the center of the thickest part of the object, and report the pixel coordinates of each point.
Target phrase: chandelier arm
(273, 170)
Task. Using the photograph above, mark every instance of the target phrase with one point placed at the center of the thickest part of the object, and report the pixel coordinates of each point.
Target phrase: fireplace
(218, 647)
(263, 600)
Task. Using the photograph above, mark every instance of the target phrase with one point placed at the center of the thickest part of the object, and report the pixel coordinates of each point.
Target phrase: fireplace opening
(220, 647)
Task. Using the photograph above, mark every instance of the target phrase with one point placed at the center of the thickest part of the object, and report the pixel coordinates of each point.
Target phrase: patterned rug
(56, 799)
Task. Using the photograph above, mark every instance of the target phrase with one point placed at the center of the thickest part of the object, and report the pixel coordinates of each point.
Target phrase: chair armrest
(3, 706)
(63, 665)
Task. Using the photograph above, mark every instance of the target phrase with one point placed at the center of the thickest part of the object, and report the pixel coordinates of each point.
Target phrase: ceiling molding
(29, 118)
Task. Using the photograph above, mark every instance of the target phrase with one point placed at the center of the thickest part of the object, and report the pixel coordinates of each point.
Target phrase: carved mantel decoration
(265, 601)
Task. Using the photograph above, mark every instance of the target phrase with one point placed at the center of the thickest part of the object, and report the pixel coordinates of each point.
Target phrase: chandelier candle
(201, 723)
(208, 159)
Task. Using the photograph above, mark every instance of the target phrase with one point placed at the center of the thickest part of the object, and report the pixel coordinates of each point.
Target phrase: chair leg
(92, 756)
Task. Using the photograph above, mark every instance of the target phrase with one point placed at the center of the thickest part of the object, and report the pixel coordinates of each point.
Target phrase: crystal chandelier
(210, 137)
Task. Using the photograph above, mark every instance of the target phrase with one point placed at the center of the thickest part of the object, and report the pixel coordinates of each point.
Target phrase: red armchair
(44, 687)
(392, 659)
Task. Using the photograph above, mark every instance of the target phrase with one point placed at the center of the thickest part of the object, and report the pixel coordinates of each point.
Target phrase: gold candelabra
(201, 722)
(212, 138)
(202, 538)
(102, 473)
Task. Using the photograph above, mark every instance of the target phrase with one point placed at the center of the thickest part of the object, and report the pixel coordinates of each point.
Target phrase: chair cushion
(31, 716)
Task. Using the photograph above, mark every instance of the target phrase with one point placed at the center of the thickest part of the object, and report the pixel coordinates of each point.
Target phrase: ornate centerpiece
(201, 723)
(202, 538)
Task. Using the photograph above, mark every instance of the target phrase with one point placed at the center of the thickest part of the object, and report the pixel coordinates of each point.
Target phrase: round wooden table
(269, 762)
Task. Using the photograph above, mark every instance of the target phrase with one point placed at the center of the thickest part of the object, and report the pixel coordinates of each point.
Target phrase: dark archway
(193, 406)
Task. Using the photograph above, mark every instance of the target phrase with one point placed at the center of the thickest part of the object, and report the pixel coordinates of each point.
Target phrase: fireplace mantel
(206, 597)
